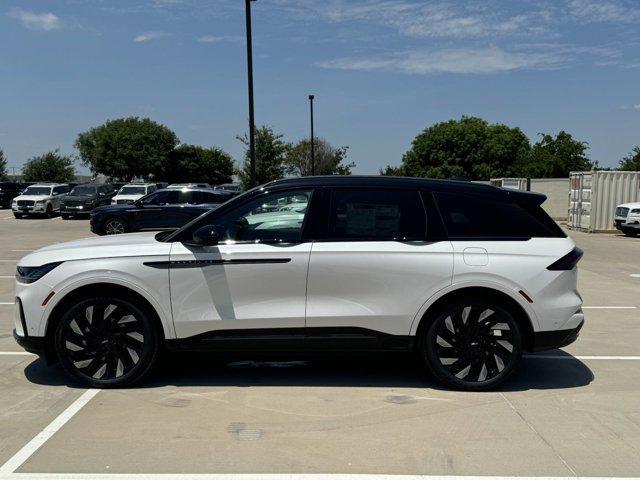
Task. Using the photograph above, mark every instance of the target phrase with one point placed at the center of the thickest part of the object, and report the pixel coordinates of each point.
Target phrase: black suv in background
(9, 191)
(84, 198)
(161, 210)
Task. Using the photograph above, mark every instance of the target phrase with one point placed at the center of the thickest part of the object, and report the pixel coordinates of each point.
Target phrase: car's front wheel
(473, 344)
(107, 342)
(114, 226)
(17, 215)
(630, 232)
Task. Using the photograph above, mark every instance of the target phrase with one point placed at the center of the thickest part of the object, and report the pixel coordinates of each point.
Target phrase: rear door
(377, 262)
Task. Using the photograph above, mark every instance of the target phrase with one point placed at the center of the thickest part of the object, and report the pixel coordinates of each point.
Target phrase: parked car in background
(40, 199)
(161, 210)
(189, 185)
(627, 218)
(229, 187)
(84, 198)
(9, 191)
(467, 277)
(131, 192)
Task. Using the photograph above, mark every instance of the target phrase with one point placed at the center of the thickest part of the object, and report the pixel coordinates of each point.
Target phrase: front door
(255, 278)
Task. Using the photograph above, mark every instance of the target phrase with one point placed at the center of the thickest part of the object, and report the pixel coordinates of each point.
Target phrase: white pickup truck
(627, 218)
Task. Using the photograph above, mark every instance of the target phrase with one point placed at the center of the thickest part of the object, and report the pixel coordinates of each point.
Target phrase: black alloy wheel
(114, 226)
(106, 342)
(473, 345)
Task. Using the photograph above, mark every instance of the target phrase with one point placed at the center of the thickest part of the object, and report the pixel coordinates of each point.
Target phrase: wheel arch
(520, 314)
(98, 289)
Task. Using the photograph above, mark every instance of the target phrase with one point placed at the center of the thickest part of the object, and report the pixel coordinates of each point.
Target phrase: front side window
(276, 217)
(472, 216)
(166, 197)
(376, 214)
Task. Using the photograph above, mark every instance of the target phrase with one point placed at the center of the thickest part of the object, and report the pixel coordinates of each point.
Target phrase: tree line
(128, 148)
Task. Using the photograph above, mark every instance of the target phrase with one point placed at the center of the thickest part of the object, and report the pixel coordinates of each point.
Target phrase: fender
(511, 291)
(116, 278)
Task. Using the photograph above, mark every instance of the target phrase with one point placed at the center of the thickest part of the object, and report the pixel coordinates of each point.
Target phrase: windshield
(37, 191)
(83, 190)
(132, 191)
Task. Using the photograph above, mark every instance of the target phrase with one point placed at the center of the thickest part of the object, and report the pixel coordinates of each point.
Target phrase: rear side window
(376, 214)
(476, 217)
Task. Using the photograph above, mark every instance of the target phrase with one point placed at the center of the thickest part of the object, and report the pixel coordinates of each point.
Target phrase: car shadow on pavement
(385, 371)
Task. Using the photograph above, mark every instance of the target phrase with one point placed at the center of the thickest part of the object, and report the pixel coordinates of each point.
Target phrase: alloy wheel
(104, 341)
(475, 343)
(114, 227)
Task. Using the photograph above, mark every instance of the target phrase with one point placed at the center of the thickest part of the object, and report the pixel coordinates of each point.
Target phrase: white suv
(131, 192)
(43, 199)
(627, 218)
(466, 275)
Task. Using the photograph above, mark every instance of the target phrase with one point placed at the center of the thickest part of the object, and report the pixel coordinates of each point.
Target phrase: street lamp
(252, 134)
(313, 160)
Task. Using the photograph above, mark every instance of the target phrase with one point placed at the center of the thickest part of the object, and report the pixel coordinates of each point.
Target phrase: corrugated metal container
(513, 183)
(594, 195)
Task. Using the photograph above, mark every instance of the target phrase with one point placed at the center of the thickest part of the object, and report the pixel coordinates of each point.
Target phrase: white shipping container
(593, 197)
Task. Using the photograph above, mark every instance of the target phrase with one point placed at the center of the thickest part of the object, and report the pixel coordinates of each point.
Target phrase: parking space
(571, 412)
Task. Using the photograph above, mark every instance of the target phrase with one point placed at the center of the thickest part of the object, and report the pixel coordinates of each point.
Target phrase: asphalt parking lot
(570, 412)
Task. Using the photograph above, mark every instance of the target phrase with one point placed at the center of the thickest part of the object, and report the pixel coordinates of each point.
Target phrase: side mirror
(205, 236)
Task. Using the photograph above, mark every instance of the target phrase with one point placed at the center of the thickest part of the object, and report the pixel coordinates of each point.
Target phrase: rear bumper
(35, 345)
(555, 338)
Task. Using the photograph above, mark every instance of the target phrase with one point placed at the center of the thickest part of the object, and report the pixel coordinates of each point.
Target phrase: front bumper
(75, 210)
(555, 338)
(35, 345)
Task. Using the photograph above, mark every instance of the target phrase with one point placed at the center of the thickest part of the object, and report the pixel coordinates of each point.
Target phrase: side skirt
(302, 340)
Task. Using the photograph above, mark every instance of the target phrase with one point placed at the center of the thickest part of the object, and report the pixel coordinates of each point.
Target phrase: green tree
(327, 159)
(188, 163)
(49, 167)
(631, 162)
(127, 147)
(3, 166)
(555, 157)
(469, 147)
(270, 154)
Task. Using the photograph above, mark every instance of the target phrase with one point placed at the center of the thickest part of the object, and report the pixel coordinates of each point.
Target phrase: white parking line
(272, 476)
(16, 353)
(7, 276)
(629, 307)
(584, 357)
(36, 442)
(7, 303)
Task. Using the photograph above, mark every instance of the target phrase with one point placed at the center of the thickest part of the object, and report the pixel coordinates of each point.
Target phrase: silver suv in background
(627, 218)
(40, 198)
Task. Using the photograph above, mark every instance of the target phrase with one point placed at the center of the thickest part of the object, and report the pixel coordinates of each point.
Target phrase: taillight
(567, 262)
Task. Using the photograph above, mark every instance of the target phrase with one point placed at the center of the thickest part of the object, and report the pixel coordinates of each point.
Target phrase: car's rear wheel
(114, 226)
(473, 344)
(107, 342)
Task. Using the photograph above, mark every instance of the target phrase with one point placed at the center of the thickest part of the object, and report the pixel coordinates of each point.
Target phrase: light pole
(313, 159)
(252, 134)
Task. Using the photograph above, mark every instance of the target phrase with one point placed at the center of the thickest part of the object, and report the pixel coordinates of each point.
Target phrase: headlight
(15, 202)
(40, 202)
(31, 274)
(88, 202)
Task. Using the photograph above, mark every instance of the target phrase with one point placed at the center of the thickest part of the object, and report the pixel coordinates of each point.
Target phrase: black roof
(452, 186)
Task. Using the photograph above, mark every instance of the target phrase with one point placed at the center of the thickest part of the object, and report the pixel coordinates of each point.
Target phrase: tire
(473, 344)
(630, 232)
(49, 212)
(107, 342)
(17, 215)
(65, 216)
(114, 226)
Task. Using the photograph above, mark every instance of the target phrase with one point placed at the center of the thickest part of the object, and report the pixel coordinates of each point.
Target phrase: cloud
(462, 61)
(149, 36)
(604, 11)
(636, 106)
(46, 21)
(216, 39)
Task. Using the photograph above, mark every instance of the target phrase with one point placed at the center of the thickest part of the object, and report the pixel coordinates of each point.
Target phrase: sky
(381, 70)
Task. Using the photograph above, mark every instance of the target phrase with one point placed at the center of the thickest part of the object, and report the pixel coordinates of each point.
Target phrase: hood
(33, 197)
(126, 245)
(80, 197)
(629, 205)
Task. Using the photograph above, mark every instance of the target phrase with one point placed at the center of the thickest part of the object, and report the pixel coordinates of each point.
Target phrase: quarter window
(472, 216)
(277, 217)
(376, 214)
